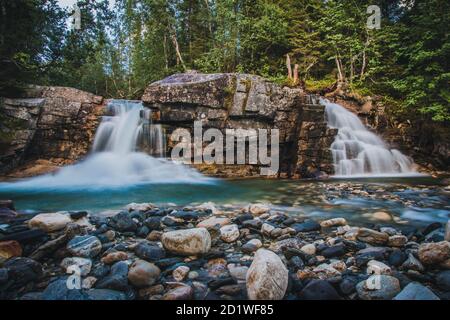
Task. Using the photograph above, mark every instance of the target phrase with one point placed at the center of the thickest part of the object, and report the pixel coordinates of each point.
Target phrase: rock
(416, 291)
(306, 226)
(267, 278)
(49, 222)
(319, 290)
(117, 278)
(84, 246)
(60, 290)
(434, 253)
(443, 280)
(153, 223)
(296, 262)
(123, 222)
(149, 251)
(372, 237)
(334, 251)
(23, 270)
(3, 276)
(377, 267)
(251, 246)
(82, 264)
(382, 216)
(266, 229)
(237, 272)
(179, 293)
(258, 209)
(9, 249)
(397, 257)
(378, 287)
(139, 206)
(210, 223)
(397, 241)
(180, 273)
(154, 235)
(143, 273)
(105, 294)
(187, 242)
(325, 271)
(333, 223)
(88, 282)
(229, 233)
(113, 257)
(412, 264)
(208, 207)
(309, 249)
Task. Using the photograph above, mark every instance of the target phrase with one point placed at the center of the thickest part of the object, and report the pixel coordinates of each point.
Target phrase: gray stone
(84, 246)
(416, 291)
(378, 287)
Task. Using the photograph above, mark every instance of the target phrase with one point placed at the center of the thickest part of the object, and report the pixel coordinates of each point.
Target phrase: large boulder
(187, 242)
(267, 277)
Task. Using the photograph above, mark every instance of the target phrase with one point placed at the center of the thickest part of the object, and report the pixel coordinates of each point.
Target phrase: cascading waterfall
(121, 155)
(359, 152)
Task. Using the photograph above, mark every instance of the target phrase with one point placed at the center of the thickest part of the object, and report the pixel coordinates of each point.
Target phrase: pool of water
(408, 200)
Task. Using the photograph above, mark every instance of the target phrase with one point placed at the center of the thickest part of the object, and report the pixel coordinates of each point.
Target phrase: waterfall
(127, 150)
(359, 152)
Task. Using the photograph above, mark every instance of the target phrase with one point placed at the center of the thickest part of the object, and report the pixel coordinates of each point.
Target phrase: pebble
(212, 222)
(378, 287)
(123, 222)
(49, 222)
(397, 241)
(84, 246)
(117, 279)
(143, 273)
(266, 229)
(377, 267)
(9, 249)
(180, 273)
(267, 277)
(333, 223)
(251, 246)
(372, 237)
(306, 226)
(382, 216)
(187, 242)
(180, 293)
(334, 251)
(434, 253)
(309, 249)
(149, 251)
(113, 257)
(412, 264)
(416, 291)
(258, 209)
(71, 264)
(319, 290)
(229, 233)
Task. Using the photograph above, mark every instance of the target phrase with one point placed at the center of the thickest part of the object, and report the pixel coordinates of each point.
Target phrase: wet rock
(306, 226)
(258, 209)
(377, 267)
(251, 246)
(412, 264)
(397, 241)
(49, 222)
(434, 253)
(243, 217)
(113, 257)
(382, 216)
(139, 207)
(373, 253)
(187, 242)
(319, 290)
(105, 294)
(76, 263)
(266, 229)
(239, 273)
(143, 273)
(267, 278)
(372, 237)
(59, 290)
(296, 263)
(84, 246)
(416, 291)
(378, 287)
(397, 257)
(23, 270)
(254, 224)
(180, 293)
(334, 251)
(153, 223)
(88, 282)
(117, 278)
(123, 222)
(447, 231)
(333, 223)
(9, 249)
(180, 273)
(443, 280)
(212, 222)
(149, 251)
(3, 276)
(229, 233)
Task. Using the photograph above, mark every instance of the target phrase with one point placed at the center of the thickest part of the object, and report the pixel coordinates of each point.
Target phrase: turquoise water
(419, 199)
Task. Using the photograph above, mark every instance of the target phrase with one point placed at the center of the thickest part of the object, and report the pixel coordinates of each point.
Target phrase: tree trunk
(296, 74)
(177, 49)
(288, 66)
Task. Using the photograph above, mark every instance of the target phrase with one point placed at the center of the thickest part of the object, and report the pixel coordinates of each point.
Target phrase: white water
(359, 152)
(115, 159)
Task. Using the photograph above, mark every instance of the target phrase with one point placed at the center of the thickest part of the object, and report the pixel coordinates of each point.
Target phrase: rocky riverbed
(217, 252)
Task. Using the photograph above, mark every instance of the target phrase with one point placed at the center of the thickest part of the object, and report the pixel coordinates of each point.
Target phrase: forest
(123, 47)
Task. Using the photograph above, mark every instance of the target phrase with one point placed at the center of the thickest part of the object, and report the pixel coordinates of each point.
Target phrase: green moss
(319, 85)
(229, 93)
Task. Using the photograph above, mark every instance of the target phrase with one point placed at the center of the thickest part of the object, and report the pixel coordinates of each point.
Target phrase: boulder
(187, 242)
(49, 222)
(267, 277)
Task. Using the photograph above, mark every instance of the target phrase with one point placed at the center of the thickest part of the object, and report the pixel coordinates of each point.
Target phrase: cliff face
(242, 101)
(56, 124)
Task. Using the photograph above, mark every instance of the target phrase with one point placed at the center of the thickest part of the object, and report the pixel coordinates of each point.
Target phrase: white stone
(72, 264)
(377, 267)
(209, 206)
(187, 242)
(212, 222)
(333, 222)
(309, 249)
(229, 233)
(258, 209)
(180, 273)
(267, 277)
(49, 222)
(266, 229)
